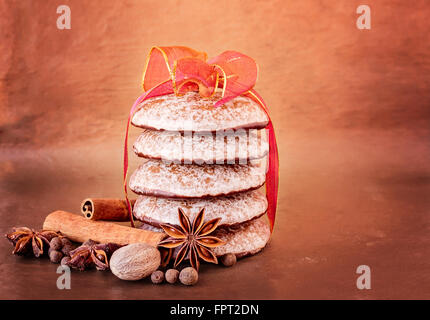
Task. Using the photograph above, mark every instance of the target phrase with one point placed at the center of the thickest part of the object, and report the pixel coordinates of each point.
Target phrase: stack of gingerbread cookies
(198, 156)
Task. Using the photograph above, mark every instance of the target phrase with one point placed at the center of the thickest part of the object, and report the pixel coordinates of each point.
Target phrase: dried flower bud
(189, 276)
(157, 277)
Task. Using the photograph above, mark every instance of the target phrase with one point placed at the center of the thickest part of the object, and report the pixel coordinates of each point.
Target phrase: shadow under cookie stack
(201, 157)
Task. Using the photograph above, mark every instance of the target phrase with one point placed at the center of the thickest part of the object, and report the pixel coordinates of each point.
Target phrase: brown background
(350, 107)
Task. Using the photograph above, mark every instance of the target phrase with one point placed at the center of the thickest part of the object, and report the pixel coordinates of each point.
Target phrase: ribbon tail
(272, 174)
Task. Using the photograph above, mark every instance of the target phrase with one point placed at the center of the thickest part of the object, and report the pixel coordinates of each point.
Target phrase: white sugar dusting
(228, 147)
(190, 112)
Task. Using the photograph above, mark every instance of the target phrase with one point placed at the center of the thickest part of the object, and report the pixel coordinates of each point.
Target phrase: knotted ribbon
(179, 70)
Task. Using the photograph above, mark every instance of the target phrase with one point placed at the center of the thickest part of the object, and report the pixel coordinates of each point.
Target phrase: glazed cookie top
(159, 178)
(236, 146)
(233, 210)
(191, 112)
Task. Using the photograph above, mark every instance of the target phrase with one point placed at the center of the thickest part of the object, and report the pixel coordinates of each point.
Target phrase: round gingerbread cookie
(233, 210)
(170, 180)
(191, 112)
(229, 147)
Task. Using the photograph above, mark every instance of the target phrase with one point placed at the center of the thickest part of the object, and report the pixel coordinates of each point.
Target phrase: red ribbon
(180, 69)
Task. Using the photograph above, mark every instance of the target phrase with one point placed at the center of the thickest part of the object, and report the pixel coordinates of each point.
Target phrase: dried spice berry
(172, 276)
(157, 277)
(228, 260)
(67, 248)
(55, 256)
(189, 276)
(65, 241)
(56, 243)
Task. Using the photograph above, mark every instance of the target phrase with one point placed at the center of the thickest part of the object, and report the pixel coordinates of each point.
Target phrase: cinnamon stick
(79, 229)
(106, 209)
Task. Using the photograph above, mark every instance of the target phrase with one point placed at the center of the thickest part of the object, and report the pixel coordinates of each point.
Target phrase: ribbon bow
(180, 69)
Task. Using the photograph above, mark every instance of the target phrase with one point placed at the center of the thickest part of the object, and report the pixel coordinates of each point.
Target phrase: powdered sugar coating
(237, 146)
(158, 178)
(233, 209)
(191, 112)
(250, 239)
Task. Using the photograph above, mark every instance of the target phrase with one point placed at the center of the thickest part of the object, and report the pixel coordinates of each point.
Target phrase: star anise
(192, 239)
(91, 253)
(27, 240)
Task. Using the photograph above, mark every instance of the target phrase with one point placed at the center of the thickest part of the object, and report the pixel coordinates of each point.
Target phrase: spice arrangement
(136, 254)
(59, 250)
(207, 146)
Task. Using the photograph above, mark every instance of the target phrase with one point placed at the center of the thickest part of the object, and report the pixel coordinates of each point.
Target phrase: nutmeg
(135, 261)
(228, 259)
(157, 277)
(189, 276)
(172, 275)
